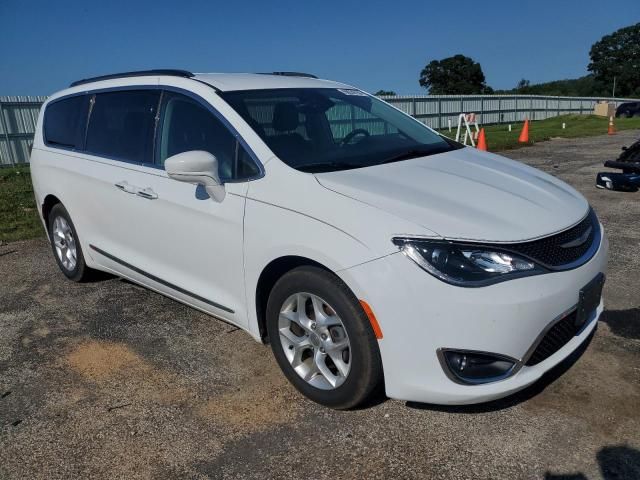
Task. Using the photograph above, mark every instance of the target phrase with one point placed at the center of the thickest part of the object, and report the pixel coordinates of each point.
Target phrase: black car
(628, 109)
(629, 179)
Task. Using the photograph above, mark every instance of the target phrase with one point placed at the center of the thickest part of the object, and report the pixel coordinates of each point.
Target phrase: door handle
(125, 187)
(147, 193)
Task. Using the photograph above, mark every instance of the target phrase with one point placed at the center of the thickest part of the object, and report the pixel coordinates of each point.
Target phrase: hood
(465, 194)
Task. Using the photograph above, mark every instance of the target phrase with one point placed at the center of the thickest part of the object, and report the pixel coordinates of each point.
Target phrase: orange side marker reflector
(372, 319)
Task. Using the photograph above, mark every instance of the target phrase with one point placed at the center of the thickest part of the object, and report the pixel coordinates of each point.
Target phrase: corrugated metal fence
(18, 118)
(18, 115)
(437, 110)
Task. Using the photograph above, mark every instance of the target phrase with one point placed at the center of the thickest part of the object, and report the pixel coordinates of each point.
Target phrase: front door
(168, 234)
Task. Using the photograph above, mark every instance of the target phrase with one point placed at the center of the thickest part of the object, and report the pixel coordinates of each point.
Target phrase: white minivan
(370, 251)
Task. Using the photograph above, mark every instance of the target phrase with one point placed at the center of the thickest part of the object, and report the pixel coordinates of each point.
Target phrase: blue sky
(374, 45)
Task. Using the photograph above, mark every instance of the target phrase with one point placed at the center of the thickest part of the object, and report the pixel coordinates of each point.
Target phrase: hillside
(585, 86)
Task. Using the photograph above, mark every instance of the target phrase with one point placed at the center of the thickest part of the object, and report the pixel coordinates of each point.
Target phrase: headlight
(467, 265)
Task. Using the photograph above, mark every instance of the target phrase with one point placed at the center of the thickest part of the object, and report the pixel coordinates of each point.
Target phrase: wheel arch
(49, 202)
(270, 274)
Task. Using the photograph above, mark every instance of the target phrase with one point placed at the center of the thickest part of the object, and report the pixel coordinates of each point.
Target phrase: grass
(499, 138)
(18, 214)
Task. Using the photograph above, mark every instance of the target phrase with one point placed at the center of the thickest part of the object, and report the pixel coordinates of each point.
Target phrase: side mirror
(199, 167)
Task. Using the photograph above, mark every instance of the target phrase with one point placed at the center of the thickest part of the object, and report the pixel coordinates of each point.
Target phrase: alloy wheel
(314, 341)
(65, 243)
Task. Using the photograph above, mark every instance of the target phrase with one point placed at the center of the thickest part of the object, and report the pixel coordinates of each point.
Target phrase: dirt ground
(109, 380)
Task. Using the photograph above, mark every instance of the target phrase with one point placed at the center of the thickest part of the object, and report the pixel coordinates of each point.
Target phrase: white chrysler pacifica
(368, 250)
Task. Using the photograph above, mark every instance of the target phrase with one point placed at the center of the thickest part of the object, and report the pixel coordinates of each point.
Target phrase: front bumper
(419, 314)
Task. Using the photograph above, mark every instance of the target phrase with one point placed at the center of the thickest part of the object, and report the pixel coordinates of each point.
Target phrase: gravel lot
(109, 380)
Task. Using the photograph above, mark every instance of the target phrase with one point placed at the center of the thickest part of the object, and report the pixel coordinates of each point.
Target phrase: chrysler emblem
(578, 241)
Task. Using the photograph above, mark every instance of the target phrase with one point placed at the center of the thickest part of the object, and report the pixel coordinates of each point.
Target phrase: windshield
(328, 129)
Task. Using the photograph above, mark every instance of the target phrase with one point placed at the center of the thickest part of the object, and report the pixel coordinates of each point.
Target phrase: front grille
(549, 252)
(556, 338)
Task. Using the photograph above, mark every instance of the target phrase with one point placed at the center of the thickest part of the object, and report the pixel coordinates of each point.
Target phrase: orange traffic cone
(612, 128)
(482, 141)
(524, 134)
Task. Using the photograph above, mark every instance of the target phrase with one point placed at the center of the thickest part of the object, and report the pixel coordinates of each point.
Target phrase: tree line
(615, 59)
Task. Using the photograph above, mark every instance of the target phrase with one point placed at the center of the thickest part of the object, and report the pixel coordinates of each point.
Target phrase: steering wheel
(354, 133)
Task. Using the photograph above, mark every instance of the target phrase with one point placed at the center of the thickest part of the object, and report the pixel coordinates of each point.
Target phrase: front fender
(272, 232)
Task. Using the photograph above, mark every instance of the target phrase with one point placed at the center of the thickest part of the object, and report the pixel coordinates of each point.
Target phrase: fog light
(470, 367)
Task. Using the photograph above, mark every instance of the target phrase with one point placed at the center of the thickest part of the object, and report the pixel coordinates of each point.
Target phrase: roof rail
(290, 74)
(139, 73)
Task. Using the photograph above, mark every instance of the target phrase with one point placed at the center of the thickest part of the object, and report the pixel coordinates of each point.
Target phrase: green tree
(453, 75)
(384, 92)
(523, 85)
(618, 56)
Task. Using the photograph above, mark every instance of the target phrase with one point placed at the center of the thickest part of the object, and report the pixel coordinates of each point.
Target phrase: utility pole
(613, 94)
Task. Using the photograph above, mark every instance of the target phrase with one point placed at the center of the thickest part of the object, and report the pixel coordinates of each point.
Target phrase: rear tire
(65, 244)
(332, 326)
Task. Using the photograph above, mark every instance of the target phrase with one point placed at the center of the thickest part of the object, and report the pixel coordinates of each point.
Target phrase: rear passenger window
(122, 124)
(187, 125)
(65, 121)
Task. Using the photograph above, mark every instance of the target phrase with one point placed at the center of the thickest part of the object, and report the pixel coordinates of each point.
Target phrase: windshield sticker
(352, 91)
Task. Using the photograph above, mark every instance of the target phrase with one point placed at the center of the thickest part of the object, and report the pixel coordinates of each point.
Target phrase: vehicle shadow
(624, 323)
(615, 462)
(518, 397)
(98, 276)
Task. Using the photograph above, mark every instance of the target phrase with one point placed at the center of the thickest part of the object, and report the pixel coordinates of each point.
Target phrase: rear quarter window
(65, 121)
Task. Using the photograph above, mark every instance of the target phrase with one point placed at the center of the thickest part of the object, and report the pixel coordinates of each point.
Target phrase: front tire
(66, 245)
(322, 339)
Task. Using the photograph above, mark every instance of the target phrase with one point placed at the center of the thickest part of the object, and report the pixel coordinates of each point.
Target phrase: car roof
(227, 82)
(223, 82)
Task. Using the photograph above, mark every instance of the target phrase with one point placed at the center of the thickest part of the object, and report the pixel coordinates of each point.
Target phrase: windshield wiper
(326, 166)
(408, 154)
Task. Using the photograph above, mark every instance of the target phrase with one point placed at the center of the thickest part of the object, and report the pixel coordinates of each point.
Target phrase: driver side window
(345, 118)
(187, 125)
